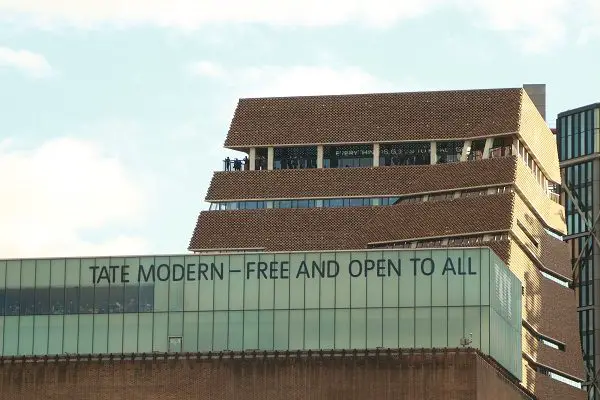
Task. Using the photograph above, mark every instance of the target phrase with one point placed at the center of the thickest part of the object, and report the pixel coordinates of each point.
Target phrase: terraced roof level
(377, 117)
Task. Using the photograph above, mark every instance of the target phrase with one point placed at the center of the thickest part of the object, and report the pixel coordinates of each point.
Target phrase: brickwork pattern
(454, 374)
(534, 132)
(365, 181)
(378, 117)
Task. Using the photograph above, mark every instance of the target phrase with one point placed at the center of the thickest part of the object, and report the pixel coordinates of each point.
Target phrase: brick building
(399, 245)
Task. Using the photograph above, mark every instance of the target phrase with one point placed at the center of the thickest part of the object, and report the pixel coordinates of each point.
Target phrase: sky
(113, 113)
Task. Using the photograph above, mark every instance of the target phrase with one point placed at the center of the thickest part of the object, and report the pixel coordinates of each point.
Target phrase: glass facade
(409, 153)
(578, 136)
(295, 157)
(263, 301)
(348, 156)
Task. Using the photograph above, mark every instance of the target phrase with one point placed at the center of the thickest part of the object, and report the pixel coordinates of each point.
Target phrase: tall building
(409, 171)
(578, 139)
(398, 245)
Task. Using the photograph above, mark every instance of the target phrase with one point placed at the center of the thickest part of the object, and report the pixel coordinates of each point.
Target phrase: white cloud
(206, 68)
(297, 80)
(193, 13)
(30, 63)
(54, 193)
(537, 25)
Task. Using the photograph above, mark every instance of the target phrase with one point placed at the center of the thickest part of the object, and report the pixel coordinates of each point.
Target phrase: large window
(577, 134)
(409, 153)
(347, 156)
(295, 157)
(449, 152)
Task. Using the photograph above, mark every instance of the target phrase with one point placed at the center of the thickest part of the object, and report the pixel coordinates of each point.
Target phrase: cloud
(189, 14)
(535, 25)
(295, 80)
(53, 194)
(30, 63)
(206, 68)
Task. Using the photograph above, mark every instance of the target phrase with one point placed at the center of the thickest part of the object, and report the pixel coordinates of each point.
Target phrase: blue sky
(113, 114)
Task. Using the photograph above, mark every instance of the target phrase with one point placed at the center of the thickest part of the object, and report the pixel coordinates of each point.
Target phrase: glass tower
(578, 149)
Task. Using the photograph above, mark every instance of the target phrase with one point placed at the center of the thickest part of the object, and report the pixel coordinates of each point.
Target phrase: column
(489, 142)
(433, 152)
(320, 156)
(376, 154)
(466, 150)
(270, 156)
(252, 158)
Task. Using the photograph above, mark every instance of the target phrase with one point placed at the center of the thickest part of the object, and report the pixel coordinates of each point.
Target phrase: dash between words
(382, 268)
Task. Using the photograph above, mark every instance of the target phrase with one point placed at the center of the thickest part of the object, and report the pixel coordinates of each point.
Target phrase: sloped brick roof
(378, 117)
(376, 181)
(555, 255)
(349, 227)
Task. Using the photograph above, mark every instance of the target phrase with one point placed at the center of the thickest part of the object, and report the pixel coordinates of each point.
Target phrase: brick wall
(454, 374)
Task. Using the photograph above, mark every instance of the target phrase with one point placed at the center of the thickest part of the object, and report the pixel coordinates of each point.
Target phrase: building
(409, 170)
(399, 245)
(578, 134)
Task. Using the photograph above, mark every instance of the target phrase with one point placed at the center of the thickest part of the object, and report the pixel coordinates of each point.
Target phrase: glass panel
(26, 335)
(11, 335)
(55, 335)
(342, 329)
(265, 330)
(236, 330)
(220, 330)
(57, 290)
(406, 287)
(455, 282)
(342, 286)
(390, 328)
(410, 153)
(456, 329)
(485, 276)
(190, 332)
(311, 329)
(115, 334)
(131, 295)
(328, 283)
(42, 288)
(327, 329)
(473, 326)
(423, 327)
(100, 333)
(251, 284)
(358, 282)
(27, 300)
(250, 330)
(472, 267)
(439, 279)
(375, 266)
(296, 286)
(236, 282)
(86, 334)
(282, 286)
(130, 333)
(176, 324)
(296, 330)
(266, 288)
(161, 290)
(221, 286)
(281, 330)
(424, 268)
(393, 270)
(312, 280)
(71, 335)
(40, 332)
(347, 156)
(358, 328)
(374, 328)
(160, 341)
(439, 322)
(205, 331)
(1, 336)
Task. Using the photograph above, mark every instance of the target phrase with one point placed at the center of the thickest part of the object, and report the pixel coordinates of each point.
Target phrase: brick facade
(449, 374)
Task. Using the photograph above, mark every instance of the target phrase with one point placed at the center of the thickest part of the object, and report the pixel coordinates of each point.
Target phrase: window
(295, 157)
(175, 344)
(348, 156)
(410, 153)
(449, 152)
